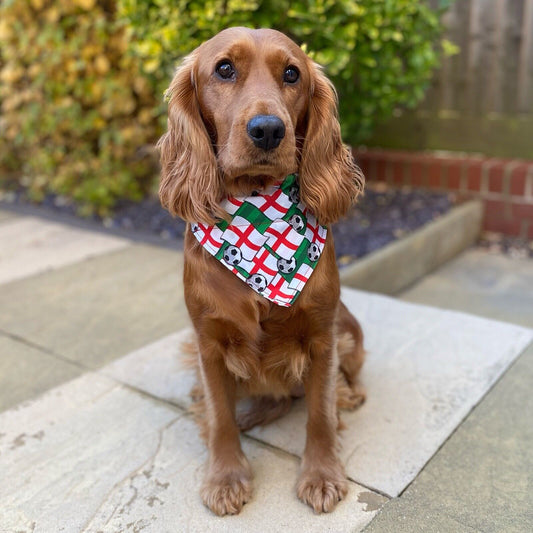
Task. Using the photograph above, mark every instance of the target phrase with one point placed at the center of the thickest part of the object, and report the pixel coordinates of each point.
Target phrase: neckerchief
(272, 242)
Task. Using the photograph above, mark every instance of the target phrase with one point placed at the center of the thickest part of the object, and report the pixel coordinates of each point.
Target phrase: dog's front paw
(322, 488)
(227, 493)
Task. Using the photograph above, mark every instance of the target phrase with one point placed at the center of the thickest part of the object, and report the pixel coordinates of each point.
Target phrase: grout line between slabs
(182, 410)
(282, 452)
(185, 412)
(85, 368)
(467, 415)
(44, 349)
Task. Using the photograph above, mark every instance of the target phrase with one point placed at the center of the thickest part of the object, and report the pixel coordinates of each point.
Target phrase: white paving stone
(94, 456)
(30, 245)
(61, 454)
(426, 369)
(157, 369)
(164, 497)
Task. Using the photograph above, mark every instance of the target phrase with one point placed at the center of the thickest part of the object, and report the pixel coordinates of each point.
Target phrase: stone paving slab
(65, 451)
(26, 372)
(99, 309)
(95, 456)
(480, 481)
(6, 215)
(29, 245)
(156, 369)
(426, 368)
(483, 283)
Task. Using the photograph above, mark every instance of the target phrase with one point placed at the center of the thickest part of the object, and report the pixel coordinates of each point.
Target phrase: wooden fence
(481, 100)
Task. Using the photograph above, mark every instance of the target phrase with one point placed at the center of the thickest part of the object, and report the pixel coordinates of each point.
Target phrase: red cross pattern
(273, 206)
(210, 237)
(264, 263)
(300, 278)
(231, 205)
(244, 236)
(276, 288)
(314, 232)
(254, 257)
(283, 239)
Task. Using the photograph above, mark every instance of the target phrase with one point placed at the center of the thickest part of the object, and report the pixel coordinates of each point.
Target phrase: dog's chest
(273, 361)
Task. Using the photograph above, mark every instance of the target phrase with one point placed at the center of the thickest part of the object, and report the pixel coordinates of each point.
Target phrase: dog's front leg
(228, 481)
(322, 482)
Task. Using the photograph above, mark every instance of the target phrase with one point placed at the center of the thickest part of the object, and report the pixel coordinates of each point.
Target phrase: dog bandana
(272, 241)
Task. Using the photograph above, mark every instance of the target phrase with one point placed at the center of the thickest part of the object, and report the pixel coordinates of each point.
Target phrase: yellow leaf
(5, 30)
(89, 50)
(97, 90)
(37, 4)
(99, 123)
(106, 109)
(35, 70)
(101, 64)
(126, 105)
(151, 65)
(85, 4)
(11, 73)
(146, 116)
(127, 133)
(52, 14)
(141, 86)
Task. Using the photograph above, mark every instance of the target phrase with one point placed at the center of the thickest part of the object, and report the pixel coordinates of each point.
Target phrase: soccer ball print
(272, 242)
(287, 265)
(232, 255)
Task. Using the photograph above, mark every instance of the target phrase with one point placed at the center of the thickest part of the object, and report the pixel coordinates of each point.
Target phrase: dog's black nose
(266, 131)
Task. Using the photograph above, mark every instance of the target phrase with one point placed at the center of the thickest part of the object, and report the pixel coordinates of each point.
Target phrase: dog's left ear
(330, 181)
(190, 184)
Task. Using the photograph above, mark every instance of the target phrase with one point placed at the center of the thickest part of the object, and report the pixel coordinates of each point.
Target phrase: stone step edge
(401, 263)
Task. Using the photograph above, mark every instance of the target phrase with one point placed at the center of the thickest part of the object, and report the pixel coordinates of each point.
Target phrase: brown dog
(246, 109)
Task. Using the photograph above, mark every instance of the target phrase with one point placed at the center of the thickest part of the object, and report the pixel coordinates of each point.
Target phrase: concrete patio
(95, 436)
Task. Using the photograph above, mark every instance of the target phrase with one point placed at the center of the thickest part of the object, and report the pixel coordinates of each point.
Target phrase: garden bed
(382, 215)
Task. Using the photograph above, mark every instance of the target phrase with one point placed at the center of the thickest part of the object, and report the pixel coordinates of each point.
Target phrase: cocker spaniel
(253, 160)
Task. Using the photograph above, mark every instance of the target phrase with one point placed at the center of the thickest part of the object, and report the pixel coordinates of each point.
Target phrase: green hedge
(77, 115)
(380, 54)
(81, 81)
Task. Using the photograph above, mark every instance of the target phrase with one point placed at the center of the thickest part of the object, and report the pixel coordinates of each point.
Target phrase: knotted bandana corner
(272, 242)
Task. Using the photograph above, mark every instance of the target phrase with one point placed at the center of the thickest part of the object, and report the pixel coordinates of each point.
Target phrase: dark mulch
(384, 215)
(515, 247)
(380, 217)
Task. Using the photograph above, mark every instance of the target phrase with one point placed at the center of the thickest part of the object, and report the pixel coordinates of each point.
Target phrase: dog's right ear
(190, 185)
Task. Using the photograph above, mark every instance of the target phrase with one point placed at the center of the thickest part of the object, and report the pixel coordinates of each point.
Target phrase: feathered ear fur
(330, 181)
(190, 184)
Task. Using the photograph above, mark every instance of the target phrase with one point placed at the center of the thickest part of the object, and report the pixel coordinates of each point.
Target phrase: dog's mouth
(248, 185)
(256, 171)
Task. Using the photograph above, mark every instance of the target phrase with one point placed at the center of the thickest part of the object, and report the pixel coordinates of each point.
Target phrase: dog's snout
(266, 131)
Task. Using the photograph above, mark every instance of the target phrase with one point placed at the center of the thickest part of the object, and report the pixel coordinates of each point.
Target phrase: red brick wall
(504, 185)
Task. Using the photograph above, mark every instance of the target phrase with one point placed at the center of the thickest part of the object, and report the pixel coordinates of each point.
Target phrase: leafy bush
(81, 81)
(379, 53)
(75, 110)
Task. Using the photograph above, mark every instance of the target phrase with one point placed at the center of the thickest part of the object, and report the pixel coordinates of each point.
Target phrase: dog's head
(246, 109)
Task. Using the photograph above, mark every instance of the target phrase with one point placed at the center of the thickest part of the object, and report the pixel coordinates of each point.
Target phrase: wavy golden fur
(245, 345)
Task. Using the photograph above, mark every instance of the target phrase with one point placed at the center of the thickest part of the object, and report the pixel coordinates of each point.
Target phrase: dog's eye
(291, 75)
(225, 70)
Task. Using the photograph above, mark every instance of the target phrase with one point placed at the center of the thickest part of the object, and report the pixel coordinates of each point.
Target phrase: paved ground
(481, 478)
(72, 303)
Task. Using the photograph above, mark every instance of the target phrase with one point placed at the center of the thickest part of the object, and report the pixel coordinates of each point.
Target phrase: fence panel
(486, 88)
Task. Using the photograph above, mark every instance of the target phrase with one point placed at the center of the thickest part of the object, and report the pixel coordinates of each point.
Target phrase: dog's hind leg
(350, 393)
(261, 410)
